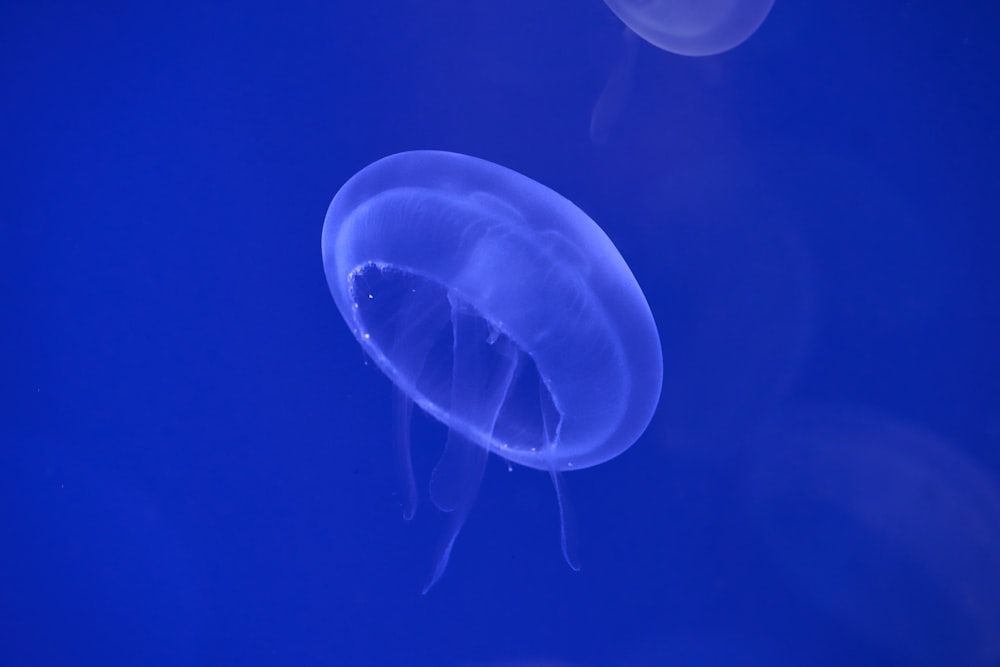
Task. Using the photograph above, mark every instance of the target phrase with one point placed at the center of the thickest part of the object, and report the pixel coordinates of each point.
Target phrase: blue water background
(197, 458)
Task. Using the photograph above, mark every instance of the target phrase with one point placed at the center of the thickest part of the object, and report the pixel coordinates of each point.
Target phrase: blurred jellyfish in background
(891, 530)
(683, 27)
(502, 310)
(693, 27)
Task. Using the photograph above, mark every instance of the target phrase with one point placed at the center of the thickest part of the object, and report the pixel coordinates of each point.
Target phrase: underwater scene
(521, 333)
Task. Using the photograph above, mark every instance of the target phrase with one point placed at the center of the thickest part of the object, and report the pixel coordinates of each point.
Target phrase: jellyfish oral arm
(567, 523)
(480, 385)
(403, 408)
(468, 462)
(479, 388)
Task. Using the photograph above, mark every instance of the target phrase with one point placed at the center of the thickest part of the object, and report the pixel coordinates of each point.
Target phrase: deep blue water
(196, 463)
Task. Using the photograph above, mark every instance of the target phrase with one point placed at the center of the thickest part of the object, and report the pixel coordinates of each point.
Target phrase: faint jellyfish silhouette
(702, 28)
(888, 528)
(502, 310)
(613, 99)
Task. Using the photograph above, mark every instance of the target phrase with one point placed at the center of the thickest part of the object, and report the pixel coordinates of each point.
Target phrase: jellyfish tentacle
(614, 98)
(567, 519)
(567, 523)
(403, 408)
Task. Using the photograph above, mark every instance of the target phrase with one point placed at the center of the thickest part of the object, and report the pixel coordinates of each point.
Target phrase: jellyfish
(693, 28)
(684, 27)
(889, 528)
(501, 310)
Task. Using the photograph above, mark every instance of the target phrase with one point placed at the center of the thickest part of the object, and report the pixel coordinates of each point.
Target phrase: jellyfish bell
(693, 27)
(499, 308)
